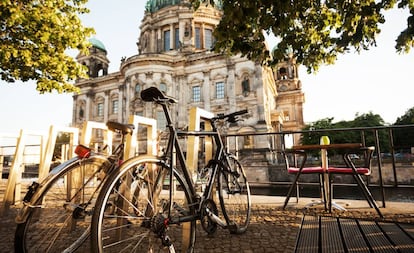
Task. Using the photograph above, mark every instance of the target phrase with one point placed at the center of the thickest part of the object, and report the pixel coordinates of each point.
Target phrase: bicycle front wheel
(234, 195)
(134, 213)
(59, 213)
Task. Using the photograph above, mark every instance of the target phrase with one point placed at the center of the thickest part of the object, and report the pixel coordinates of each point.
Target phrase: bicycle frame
(156, 209)
(219, 154)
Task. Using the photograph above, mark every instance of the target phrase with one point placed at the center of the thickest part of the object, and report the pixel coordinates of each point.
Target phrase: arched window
(220, 91)
(245, 86)
(115, 106)
(208, 38)
(196, 93)
(167, 40)
(81, 112)
(177, 38)
(197, 38)
(283, 73)
(100, 109)
(99, 106)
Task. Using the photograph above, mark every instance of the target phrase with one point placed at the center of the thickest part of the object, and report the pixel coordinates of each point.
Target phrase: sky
(377, 81)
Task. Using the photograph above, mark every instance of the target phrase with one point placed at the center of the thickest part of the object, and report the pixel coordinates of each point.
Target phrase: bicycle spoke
(61, 219)
(235, 197)
(136, 223)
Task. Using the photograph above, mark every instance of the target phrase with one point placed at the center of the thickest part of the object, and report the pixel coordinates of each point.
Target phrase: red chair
(296, 170)
(357, 172)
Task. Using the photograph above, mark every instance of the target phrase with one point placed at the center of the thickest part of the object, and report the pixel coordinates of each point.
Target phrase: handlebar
(231, 117)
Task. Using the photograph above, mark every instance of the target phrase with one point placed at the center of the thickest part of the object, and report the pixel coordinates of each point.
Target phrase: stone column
(202, 36)
(106, 106)
(255, 87)
(88, 107)
(206, 90)
(231, 87)
(152, 42)
(126, 98)
(75, 115)
(121, 106)
(172, 34)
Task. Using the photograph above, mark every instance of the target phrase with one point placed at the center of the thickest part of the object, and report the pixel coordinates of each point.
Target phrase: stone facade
(174, 55)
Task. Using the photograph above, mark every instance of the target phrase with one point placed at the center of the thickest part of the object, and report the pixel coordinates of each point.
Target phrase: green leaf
(34, 41)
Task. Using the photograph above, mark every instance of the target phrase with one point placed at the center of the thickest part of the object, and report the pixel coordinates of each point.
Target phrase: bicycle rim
(234, 195)
(133, 206)
(59, 217)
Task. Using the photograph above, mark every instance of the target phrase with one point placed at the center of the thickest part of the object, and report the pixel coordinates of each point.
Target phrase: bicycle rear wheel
(59, 218)
(234, 195)
(131, 213)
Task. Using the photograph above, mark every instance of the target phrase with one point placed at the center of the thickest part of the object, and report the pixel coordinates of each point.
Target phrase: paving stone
(271, 230)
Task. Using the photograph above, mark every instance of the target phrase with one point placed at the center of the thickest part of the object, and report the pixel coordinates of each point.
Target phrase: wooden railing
(46, 145)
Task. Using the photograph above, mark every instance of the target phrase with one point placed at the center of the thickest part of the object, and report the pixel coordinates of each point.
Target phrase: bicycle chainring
(206, 222)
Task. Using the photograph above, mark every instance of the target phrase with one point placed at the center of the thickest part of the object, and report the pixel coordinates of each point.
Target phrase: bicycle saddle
(124, 128)
(153, 94)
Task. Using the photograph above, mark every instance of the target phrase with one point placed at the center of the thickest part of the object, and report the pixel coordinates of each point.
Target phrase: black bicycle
(150, 204)
(56, 213)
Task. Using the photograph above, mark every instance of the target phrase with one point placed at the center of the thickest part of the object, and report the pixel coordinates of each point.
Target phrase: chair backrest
(293, 162)
(362, 168)
(368, 154)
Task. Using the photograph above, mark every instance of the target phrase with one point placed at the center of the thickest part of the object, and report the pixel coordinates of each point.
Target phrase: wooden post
(1, 165)
(47, 154)
(13, 186)
(196, 114)
(131, 146)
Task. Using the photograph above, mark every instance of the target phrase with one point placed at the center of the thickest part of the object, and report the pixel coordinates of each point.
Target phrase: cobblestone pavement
(271, 229)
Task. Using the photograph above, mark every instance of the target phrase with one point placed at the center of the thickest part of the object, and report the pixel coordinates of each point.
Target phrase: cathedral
(174, 54)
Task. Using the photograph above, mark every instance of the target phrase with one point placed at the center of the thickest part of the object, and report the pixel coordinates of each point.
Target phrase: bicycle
(55, 219)
(150, 205)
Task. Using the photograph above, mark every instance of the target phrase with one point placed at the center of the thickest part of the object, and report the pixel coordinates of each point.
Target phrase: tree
(34, 38)
(313, 138)
(404, 138)
(365, 120)
(316, 32)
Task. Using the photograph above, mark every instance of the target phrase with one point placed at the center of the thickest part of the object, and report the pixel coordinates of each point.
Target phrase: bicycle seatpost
(124, 130)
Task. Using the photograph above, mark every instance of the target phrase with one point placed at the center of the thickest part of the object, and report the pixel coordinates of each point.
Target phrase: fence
(259, 152)
(47, 143)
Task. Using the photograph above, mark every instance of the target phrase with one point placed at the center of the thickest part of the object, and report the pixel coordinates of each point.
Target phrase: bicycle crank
(209, 217)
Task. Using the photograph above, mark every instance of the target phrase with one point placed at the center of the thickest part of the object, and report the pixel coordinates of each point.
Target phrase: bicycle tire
(132, 207)
(234, 196)
(52, 220)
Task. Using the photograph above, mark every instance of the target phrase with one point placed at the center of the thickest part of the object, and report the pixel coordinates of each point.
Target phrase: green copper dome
(97, 43)
(155, 5)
